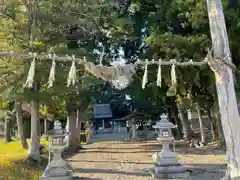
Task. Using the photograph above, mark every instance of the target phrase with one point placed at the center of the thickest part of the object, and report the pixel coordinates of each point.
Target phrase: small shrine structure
(102, 114)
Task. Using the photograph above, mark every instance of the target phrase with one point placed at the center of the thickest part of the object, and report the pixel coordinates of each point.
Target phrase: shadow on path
(111, 171)
(127, 162)
(121, 137)
(118, 152)
(182, 148)
(86, 178)
(214, 171)
(113, 148)
(205, 167)
(109, 160)
(197, 171)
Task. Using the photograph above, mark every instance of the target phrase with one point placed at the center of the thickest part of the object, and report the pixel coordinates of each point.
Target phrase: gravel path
(121, 160)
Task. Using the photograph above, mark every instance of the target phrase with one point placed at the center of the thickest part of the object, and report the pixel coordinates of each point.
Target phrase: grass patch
(14, 164)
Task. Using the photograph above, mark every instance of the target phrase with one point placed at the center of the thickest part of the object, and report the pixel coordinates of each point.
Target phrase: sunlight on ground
(13, 163)
(111, 159)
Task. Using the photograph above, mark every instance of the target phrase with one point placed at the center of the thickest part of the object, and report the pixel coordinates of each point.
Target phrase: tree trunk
(39, 128)
(201, 126)
(7, 129)
(213, 123)
(19, 118)
(134, 131)
(34, 152)
(225, 87)
(89, 132)
(66, 140)
(186, 126)
(219, 129)
(72, 128)
(78, 126)
(79, 131)
(46, 128)
(173, 116)
(177, 131)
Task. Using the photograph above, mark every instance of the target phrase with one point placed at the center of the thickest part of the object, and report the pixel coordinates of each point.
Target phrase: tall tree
(8, 121)
(21, 134)
(220, 64)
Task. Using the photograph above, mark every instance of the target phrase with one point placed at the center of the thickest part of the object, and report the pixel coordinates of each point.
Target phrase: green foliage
(175, 29)
(51, 33)
(14, 164)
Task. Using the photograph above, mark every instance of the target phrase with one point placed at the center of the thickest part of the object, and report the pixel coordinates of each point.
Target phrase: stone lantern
(166, 163)
(57, 169)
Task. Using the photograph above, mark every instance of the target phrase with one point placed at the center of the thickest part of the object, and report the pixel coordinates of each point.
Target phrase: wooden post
(225, 87)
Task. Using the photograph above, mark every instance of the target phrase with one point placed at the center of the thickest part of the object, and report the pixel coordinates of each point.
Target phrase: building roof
(136, 115)
(102, 111)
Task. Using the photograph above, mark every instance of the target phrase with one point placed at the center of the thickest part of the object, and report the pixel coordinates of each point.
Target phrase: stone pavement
(110, 157)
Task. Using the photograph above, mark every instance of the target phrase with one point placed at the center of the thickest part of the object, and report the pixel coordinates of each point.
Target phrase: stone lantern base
(165, 172)
(167, 167)
(68, 176)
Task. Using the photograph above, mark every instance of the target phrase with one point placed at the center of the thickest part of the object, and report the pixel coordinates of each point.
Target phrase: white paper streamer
(51, 78)
(31, 72)
(144, 81)
(159, 74)
(173, 75)
(72, 76)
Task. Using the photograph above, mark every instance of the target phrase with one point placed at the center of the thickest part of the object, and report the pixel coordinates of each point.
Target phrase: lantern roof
(164, 123)
(57, 130)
